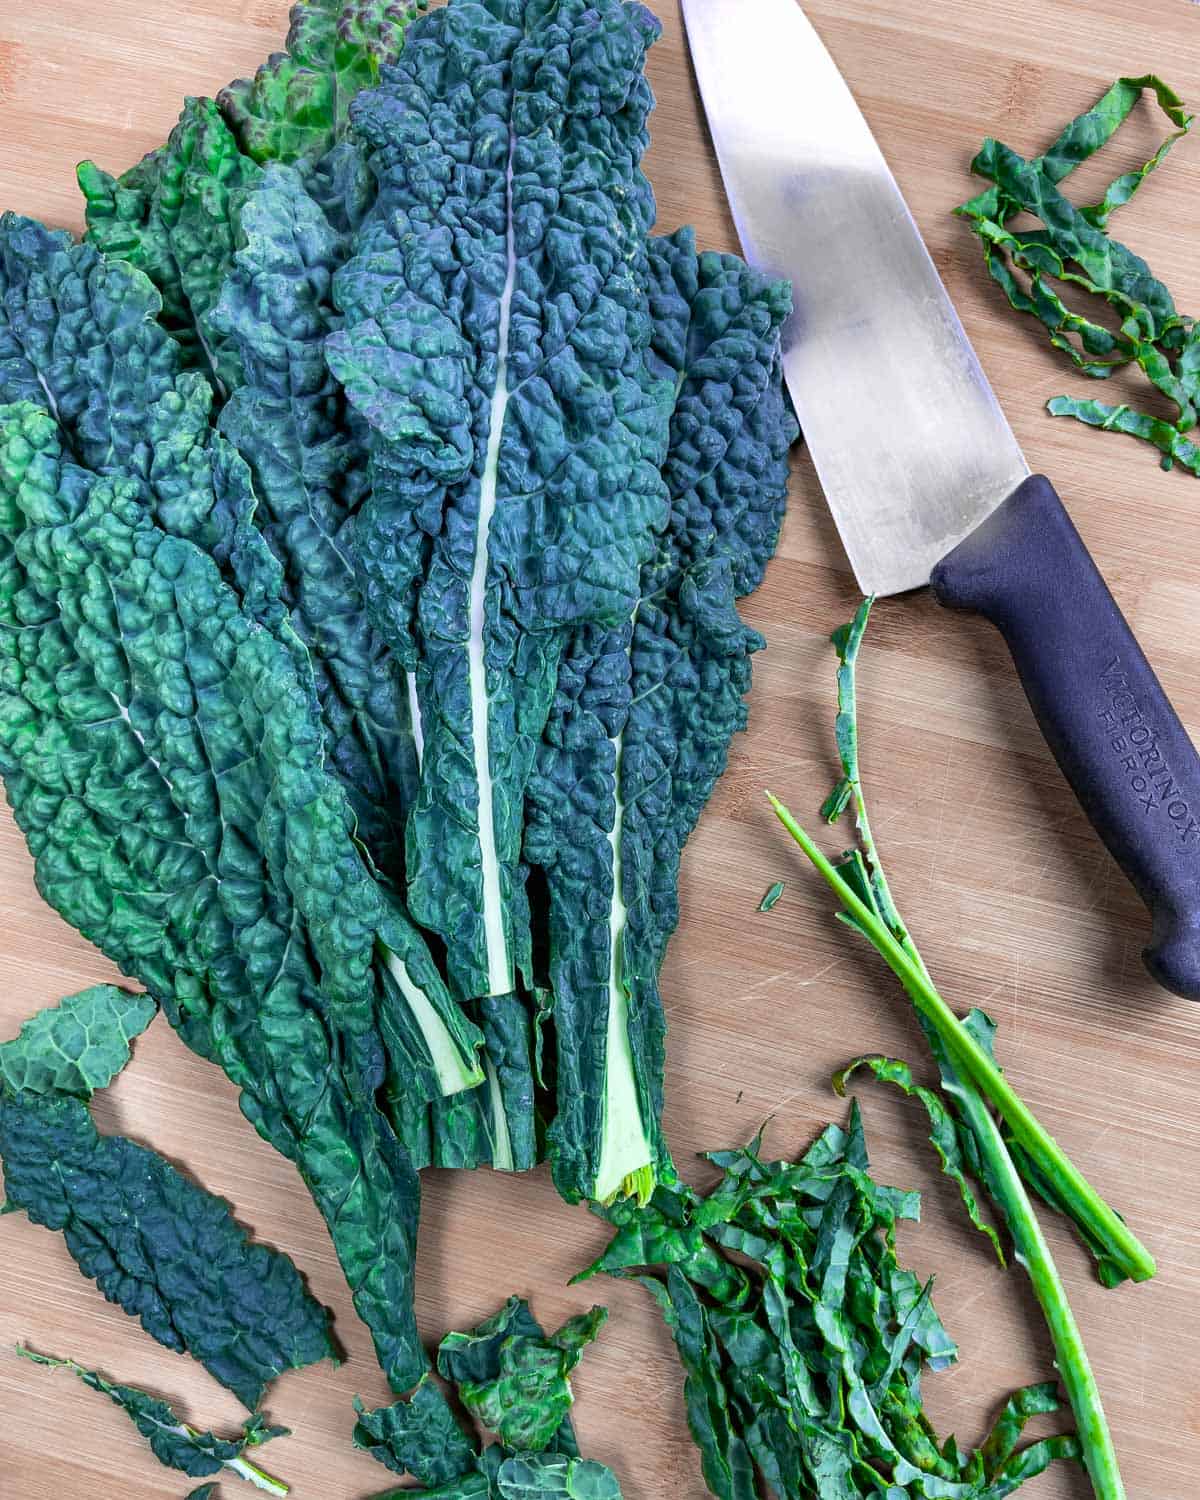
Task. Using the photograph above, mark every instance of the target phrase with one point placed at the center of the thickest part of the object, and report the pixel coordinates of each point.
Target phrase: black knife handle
(1101, 708)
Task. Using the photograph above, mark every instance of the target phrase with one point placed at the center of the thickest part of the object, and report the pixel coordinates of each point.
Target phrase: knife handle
(1102, 710)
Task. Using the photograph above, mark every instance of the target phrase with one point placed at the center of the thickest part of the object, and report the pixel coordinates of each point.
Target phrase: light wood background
(1014, 902)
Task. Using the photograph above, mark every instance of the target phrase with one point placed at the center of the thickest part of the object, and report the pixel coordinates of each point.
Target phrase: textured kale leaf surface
(162, 752)
(513, 1378)
(175, 214)
(644, 713)
(168, 1252)
(495, 338)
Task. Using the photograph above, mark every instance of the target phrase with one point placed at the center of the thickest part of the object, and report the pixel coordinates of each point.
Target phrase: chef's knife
(919, 466)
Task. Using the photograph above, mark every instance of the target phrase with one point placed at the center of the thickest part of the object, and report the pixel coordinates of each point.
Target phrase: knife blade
(917, 462)
(909, 443)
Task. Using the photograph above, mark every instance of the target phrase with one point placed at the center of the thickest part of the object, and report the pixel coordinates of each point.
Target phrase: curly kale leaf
(162, 753)
(168, 1252)
(644, 713)
(77, 1046)
(174, 1443)
(496, 328)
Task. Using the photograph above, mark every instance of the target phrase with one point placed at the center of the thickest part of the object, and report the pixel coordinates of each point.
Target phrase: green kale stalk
(1071, 250)
(1011, 1156)
(171, 1440)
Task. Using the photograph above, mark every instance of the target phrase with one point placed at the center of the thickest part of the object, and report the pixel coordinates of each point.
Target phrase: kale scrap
(513, 1379)
(173, 1442)
(1040, 269)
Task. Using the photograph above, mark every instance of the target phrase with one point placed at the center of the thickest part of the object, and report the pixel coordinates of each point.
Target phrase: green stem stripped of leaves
(1009, 1157)
(172, 1441)
(1072, 250)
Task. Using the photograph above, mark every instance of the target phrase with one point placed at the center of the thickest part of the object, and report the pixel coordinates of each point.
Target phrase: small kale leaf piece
(173, 1442)
(77, 1046)
(170, 1253)
(527, 1399)
(553, 1476)
(419, 1435)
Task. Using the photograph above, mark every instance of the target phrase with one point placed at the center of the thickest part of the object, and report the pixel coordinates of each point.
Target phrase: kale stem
(1032, 1252)
(1084, 1203)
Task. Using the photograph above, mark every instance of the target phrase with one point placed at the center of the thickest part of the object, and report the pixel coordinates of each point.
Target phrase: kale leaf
(643, 715)
(495, 332)
(174, 1443)
(77, 1046)
(154, 1242)
(162, 752)
(514, 1379)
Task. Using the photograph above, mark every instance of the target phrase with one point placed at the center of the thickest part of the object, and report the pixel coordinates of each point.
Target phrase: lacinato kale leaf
(163, 754)
(496, 326)
(77, 1046)
(643, 715)
(174, 1443)
(169, 1253)
(175, 213)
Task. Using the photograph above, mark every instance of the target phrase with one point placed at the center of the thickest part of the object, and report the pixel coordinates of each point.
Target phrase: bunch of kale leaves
(376, 495)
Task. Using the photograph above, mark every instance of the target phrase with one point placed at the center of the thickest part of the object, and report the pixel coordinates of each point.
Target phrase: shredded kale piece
(771, 896)
(172, 1441)
(803, 1339)
(1008, 1153)
(1039, 269)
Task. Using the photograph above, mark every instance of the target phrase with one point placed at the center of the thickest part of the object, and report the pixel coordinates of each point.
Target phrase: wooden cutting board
(1015, 904)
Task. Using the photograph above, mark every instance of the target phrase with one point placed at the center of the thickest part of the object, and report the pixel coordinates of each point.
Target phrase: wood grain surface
(1014, 902)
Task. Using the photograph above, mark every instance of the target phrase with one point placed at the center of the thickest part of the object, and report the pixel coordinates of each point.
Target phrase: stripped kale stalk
(172, 1441)
(967, 1135)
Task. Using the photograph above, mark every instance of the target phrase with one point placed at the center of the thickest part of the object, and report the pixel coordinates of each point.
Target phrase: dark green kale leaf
(172, 1441)
(515, 1380)
(163, 754)
(526, 1400)
(495, 339)
(77, 1046)
(168, 1252)
(644, 713)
